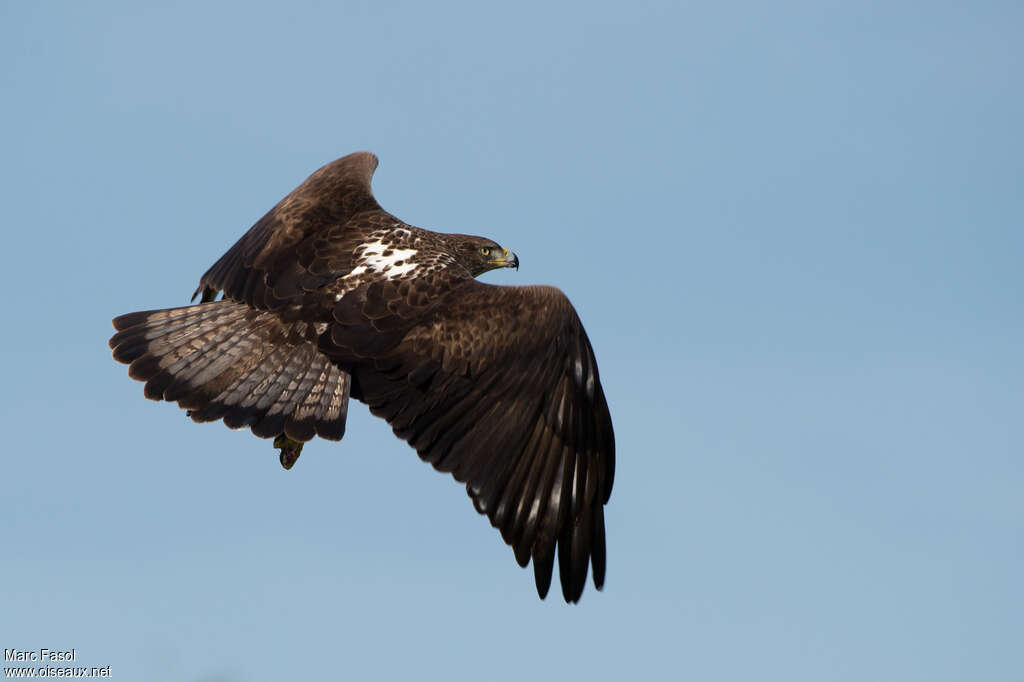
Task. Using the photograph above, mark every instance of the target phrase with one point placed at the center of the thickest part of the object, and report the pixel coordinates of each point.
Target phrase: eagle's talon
(290, 450)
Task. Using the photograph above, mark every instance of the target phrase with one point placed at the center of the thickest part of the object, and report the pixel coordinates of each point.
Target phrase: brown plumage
(329, 296)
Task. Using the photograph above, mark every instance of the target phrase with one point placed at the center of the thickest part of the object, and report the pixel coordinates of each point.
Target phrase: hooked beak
(506, 260)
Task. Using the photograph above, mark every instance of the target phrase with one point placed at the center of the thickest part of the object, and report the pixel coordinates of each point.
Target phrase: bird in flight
(329, 297)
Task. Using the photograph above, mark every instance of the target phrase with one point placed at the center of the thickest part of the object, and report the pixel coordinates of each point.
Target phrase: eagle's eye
(486, 250)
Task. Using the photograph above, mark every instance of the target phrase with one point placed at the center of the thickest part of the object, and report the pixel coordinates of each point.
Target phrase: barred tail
(225, 360)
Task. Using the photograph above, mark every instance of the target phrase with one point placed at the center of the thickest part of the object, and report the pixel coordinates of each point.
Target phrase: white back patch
(370, 258)
(373, 258)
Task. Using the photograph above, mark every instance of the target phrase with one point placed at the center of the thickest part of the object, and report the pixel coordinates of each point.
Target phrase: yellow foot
(290, 450)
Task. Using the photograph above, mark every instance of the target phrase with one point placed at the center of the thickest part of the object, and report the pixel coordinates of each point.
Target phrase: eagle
(329, 297)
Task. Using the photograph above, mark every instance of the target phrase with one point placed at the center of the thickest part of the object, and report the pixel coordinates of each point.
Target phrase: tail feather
(225, 360)
(298, 391)
(334, 404)
(278, 395)
(241, 397)
(230, 352)
(249, 356)
(298, 385)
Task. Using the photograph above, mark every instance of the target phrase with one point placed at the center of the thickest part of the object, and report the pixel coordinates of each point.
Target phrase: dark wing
(499, 386)
(305, 241)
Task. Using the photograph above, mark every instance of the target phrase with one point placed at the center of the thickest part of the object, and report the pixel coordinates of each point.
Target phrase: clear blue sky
(792, 230)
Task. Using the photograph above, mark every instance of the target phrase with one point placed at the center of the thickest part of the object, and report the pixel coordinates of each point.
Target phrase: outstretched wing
(499, 386)
(305, 241)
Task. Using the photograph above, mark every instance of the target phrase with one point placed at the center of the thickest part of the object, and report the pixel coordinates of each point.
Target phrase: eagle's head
(479, 254)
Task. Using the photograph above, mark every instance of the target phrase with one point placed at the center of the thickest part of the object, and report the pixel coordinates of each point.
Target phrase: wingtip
(364, 163)
(368, 157)
(543, 568)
